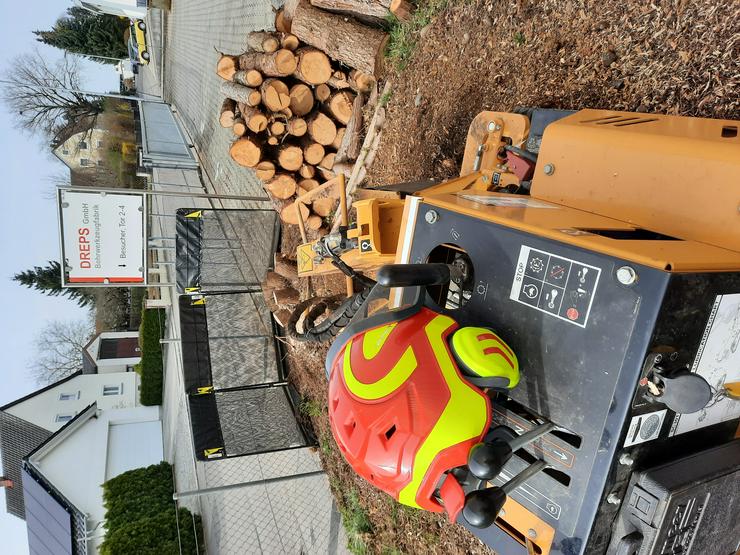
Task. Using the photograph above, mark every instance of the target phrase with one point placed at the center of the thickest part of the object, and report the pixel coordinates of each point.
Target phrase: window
(69, 396)
(84, 162)
(83, 145)
(111, 390)
(100, 162)
(64, 417)
(65, 151)
(99, 144)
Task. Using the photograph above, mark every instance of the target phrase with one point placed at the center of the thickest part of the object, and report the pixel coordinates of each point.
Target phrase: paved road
(295, 517)
(195, 33)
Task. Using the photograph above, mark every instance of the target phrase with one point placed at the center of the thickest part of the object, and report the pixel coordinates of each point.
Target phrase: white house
(112, 351)
(53, 406)
(71, 466)
(84, 149)
(123, 8)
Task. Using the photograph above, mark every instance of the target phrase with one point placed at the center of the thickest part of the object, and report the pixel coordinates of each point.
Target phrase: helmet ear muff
(485, 359)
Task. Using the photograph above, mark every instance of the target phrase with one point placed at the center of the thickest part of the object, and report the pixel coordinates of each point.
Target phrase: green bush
(151, 367)
(140, 515)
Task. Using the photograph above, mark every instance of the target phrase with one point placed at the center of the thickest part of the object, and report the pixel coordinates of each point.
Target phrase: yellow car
(137, 46)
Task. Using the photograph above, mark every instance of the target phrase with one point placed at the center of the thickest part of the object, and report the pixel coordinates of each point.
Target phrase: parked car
(137, 42)
(127, 69)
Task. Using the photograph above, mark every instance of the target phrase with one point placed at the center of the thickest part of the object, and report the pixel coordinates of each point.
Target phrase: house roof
(40, 391)
(18, 438)
(89, 365)
(54, 523)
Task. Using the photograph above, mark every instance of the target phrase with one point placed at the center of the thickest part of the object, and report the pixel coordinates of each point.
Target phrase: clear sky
(28, 222)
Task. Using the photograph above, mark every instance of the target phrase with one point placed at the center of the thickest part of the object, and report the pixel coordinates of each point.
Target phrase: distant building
(83, 149)
(63, 477)
(111, 351)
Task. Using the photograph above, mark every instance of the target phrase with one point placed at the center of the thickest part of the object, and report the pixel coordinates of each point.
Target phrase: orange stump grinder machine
(551, 351)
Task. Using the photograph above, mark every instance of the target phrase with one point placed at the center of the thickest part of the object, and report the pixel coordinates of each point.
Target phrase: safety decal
(558, 286)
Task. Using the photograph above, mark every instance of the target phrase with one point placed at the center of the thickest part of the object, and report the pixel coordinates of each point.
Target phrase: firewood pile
(294, 101)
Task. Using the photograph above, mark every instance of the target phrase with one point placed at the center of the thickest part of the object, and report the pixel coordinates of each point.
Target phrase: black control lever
(486, 460)
(482, 506)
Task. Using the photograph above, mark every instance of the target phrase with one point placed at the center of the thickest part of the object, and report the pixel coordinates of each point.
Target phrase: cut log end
(301, 99)
(282, 186)
(322, 92)
(246, 152)
(340, 106)
(314, 67)
(290, 157)
(289, 216)
(227, 66)
(322, 129)
(265, 170)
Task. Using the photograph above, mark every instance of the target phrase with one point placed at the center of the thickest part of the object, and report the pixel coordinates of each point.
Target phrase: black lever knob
(482, 506)
(486, 460)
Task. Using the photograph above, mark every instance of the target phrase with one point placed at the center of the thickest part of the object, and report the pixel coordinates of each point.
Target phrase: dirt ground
(671, 57)
(674, 57)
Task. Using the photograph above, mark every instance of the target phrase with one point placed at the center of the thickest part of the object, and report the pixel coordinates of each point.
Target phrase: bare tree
(58, 349)
(45, 96)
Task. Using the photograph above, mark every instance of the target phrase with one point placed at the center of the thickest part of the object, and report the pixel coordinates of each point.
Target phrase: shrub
(140, 515)
(151, 367)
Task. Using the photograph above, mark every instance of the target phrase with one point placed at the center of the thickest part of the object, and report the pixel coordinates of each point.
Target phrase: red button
(572, 313)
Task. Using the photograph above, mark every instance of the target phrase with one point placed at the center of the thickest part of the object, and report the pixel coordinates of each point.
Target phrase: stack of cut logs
(294, 99)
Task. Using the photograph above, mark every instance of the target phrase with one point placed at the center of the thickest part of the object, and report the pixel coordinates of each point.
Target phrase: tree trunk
(227, 66)
(297, 127)
(239, 127)
(265, 170)
(313, 152)
(313, 67)
(246, 151)
(282, 186)
(226, 118)
(286, 297)
(361, 82)
(321, 129)
(338, 80)
(277, 64)
(248, 78)
(277, 128)
(307, 171)
(371, 12)
(322, 92)
(286, 268)
(349, 149)
(402, 9)
(289, 42)
(254, 118)
(337, 142)
(262, 41)
(290, 157)
(314, 222)
(240, 93)
(308, 184)
(275, 95)
(274, 281)
(340, 106)
(346, 41)
(301, 99)
(281, 23)
(289, 216)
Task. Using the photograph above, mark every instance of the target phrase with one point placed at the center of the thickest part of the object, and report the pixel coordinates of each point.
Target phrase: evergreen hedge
(151, 367)
(140, 515)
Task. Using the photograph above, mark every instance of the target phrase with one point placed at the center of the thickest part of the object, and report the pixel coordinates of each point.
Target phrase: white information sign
(717, 361)
(102, 237)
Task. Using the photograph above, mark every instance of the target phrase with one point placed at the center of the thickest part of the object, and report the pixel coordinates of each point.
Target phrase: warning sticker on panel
(558, 286)
(717, 361)
(510, 201)
(645, 427)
